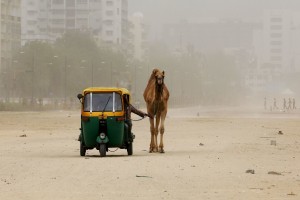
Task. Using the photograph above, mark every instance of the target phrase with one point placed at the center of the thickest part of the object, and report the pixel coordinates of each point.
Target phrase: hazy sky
(158, 12)
(161, 11)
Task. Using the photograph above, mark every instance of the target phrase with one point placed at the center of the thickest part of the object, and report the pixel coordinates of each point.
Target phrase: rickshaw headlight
(102, 136)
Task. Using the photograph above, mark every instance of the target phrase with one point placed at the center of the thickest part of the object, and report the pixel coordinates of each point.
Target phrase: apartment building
(115, 21)
(277, 41)
(105, 20)
(138, 36)
(10, 29)
(35, 21)
(277, 48)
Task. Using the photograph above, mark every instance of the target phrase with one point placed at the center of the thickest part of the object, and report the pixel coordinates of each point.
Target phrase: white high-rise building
(277, 48)
(296, 43)
(35, 21)
(10, 32)
(115, 21)
(280, 41)
(277, 30)
(105, 20)
(138, 36)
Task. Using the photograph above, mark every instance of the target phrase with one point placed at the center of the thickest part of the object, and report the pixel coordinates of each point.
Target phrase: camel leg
(162, 131)
(152, 130)
(157, 120)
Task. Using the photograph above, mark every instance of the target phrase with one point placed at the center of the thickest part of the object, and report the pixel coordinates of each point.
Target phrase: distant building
(115, 21)
(137, 36)
(35, 21)
(277, 41)
(47, 20)
(10, 29)
(277, 49)
(265, 52)
(234, 38)
(208, 36)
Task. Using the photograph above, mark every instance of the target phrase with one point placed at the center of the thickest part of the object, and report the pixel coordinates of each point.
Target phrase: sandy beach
(220, 154)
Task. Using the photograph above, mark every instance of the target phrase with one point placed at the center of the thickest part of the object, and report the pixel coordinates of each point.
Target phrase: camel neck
(158, 91)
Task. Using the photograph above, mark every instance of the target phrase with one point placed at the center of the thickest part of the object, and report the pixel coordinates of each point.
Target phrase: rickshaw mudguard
(128, 137)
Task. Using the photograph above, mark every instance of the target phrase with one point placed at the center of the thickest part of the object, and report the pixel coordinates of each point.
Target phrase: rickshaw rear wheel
(102, 150)
(129, 149)
(82, 149)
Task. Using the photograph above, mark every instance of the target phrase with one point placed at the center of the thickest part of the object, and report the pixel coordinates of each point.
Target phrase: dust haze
(232, 68)
(235, 53)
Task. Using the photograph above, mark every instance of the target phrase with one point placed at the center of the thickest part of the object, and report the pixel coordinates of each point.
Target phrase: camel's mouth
(159, 80)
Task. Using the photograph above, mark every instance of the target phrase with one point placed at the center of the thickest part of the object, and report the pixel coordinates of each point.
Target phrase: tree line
(75, 61)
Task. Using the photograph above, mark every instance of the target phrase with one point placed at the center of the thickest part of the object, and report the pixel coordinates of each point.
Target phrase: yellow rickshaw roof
(106, 89)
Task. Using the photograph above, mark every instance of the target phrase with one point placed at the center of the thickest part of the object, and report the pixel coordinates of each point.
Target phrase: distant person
(265, 103)
(290, 104)
(294, 104)
(284, 104)
(275, 104)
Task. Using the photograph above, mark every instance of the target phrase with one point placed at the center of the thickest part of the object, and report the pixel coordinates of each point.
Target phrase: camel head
(159, 76)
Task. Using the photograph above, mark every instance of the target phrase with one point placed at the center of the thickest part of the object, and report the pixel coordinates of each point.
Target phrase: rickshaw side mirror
(79, 96)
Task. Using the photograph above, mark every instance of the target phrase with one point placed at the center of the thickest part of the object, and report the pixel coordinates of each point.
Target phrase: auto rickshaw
(103, 124)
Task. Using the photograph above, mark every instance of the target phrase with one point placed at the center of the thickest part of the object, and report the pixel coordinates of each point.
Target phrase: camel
(156, 95)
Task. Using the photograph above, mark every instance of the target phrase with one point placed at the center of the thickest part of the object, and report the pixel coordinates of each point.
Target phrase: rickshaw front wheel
(102, 150)
(82, 149)
(129, 149)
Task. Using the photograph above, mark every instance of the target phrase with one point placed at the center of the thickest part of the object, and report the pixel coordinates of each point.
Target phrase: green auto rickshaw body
(115, 132)
(103, 112)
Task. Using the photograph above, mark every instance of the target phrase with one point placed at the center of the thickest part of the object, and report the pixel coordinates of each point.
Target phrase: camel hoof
(155, 150)
(161, 151)
(151, 150)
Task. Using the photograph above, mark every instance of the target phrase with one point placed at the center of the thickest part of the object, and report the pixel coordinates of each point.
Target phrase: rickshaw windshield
(111, 100)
